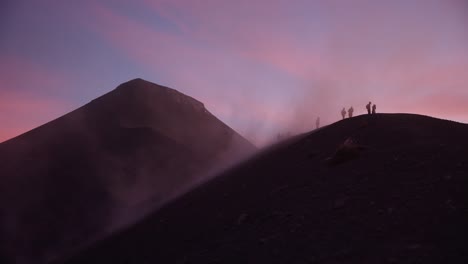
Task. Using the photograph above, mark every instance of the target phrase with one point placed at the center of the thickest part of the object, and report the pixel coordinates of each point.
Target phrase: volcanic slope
(104, 165)
(387, 188)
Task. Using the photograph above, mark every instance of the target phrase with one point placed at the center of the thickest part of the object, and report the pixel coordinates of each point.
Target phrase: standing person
(373, 108)
(343, 113)
(350, 111)
(368, 108)
(317, 122)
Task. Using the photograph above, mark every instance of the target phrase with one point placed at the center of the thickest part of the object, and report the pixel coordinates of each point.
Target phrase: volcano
(104, 165)
(384, 188)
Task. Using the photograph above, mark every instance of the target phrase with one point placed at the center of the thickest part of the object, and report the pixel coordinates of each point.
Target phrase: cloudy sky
(261, 66)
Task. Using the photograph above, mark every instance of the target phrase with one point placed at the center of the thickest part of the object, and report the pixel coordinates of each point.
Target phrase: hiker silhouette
(350, 111)
(343, 113)
(374, 107)
(317, 122)
(368, 107)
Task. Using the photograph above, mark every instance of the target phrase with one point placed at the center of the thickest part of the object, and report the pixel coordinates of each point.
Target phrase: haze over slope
(388, 188)
(103, 165)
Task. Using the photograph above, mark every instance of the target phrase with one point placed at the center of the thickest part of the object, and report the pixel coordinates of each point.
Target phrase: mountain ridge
(386, 188)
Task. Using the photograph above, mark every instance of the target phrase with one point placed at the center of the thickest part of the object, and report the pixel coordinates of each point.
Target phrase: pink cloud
(237, 27)
(27, 96)
(20, 114)
(18, 74)
(357, 39)
(440, 104)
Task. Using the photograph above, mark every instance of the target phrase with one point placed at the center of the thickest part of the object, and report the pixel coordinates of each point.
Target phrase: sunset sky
(261, 66)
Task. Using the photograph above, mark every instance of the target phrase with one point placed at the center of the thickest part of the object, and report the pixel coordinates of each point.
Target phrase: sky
(261, 66)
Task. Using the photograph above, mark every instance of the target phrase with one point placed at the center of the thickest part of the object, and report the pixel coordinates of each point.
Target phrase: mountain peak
(105, 165)
(137, 80)
(140, 90)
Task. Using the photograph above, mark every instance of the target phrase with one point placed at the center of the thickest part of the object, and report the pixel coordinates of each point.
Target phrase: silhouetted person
(317, 122)
(373, 108)
(350, 111)
(368, 108)
(343, 113)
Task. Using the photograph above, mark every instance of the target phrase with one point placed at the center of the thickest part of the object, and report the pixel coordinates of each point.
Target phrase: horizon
(274, 70)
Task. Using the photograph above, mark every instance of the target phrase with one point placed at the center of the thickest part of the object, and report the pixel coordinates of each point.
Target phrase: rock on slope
(371, 189)
(103, 165)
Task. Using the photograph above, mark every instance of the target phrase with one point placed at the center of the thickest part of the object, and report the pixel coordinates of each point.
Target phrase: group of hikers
(351, 110)
(371, 109)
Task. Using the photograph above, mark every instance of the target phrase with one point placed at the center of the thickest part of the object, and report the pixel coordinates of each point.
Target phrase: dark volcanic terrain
(389, 188)
(104, 165)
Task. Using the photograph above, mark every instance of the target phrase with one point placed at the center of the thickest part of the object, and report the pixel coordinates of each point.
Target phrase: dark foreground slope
(398, 194)
(103, 165)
